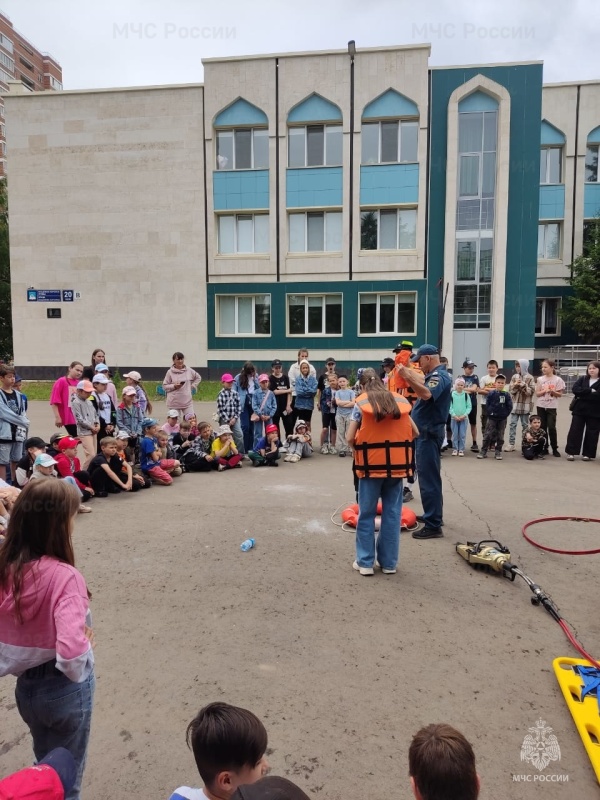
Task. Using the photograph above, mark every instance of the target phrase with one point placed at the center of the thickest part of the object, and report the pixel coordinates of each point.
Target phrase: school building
(338, 200)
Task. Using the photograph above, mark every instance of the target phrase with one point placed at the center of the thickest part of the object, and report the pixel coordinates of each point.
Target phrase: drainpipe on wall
(351, 53)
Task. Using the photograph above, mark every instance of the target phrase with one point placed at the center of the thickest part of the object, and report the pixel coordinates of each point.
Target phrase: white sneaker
(461, 453)
(332, 450)
(509, 448)
(455, 452)
(324, 449)
(363, 570)
(388, 571)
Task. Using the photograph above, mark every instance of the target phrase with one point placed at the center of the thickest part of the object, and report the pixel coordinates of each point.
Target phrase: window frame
(237, 252)
(543, 301)
(398, 210)
(304, 127)
(252, 129)
(588, 148)
(395, 332)
(323, 296)
(546, 149)
(238, 335)
(544, 224)
(399, 121)
(306, 251)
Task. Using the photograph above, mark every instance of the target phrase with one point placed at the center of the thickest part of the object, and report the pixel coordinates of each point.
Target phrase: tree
(581, 311)
(6, 343)
(368, 231)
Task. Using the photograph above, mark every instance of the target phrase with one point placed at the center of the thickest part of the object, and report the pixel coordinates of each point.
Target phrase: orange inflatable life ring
(408, 519)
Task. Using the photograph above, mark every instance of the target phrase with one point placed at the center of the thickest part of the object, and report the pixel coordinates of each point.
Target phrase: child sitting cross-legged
(266, 453)
(182, 441)
(225, 451)
(199, 456)
(106, 470)
(167, 453)
(150, 462)
(139, 481)
(43, 467)
(534, 439)
(67, 464)
(299, 443)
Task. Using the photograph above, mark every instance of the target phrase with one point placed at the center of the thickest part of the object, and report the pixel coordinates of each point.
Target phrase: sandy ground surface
(342, 669)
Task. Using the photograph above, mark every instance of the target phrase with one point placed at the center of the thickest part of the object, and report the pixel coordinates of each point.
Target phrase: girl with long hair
(585, 423)
(46, 637)
(98, 357)
(245, 384)
(549, 388)
(60, 398)
(381, 433)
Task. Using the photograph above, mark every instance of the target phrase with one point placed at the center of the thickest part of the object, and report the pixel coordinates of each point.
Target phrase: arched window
(390, 130)
(591, 156)
(552, 143)
(315, 133)
(242, 137)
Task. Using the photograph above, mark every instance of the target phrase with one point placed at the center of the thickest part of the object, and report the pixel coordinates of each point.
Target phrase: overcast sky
(105, 43)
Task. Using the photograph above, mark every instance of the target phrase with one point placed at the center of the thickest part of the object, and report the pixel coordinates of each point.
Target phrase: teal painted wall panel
(382, 184)
(552, 202)
(478, 101)
(314, 186)
(524, 84)
(241, 189)
(551, 135)
(390, 104)
(591, 200)
(381, 345)
(241, 112)
(315, 109)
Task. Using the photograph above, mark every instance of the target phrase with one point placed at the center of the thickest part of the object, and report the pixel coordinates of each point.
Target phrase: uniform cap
(425, 350)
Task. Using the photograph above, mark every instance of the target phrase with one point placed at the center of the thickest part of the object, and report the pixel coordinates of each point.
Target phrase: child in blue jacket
(264, 406)
(498, 407)
(306, 389)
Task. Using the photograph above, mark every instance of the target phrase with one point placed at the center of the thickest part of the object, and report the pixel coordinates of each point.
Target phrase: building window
(387, 313)
(315, 231)
(244, 315)
(6, 43)
(390, 142)
(388, 229)
(7, 61)
(549, 241)
(472, 291)
(243, 233)
(243, 148)
(591, 163)
(547, 320)
(550, 165)
(476, 170)
(315, 146)
(315, 314)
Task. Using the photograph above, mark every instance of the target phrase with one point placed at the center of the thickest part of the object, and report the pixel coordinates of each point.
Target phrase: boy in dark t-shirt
(106, 470)
(471, 386)
(279, 384)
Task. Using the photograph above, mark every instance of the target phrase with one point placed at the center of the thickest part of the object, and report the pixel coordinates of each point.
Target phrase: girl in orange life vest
(381, 433)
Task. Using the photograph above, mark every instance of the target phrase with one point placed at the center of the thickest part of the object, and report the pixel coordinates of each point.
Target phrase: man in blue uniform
(429, 414)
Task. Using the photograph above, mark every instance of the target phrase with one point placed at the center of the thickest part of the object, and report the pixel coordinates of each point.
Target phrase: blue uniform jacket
(430, 414)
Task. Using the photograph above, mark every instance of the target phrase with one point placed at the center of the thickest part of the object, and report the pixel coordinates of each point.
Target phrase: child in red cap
(266, 453)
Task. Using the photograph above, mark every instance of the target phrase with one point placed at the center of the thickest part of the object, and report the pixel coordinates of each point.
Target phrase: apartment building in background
(24, 68)
(337, 200)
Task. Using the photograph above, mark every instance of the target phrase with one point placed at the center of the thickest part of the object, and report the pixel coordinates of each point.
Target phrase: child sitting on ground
(266, 453)
(67, 464)
(150, 461)
(139, 481)
(199, 457)
(299, 443)
(229, 746)
(224, 450)
(33, 447)
(43, 467)
(171, 426)
(106, 470)
(534, 439)
(182, 441)
(166, 452)
(192, 421)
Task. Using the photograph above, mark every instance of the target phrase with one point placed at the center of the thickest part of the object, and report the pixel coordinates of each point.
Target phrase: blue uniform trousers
(428, 448)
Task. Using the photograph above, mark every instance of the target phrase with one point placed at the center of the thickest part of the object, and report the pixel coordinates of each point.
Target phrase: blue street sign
(68, 295)
(31, 295)
(44, 295)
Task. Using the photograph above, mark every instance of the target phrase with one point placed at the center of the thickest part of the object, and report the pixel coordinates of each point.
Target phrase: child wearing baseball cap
(266, 453)
(44, 467)
(171, 426)
(264, 407)
(134, 379)
(229, 410)
(86, 416)
(67, 464)
(129, 419)
(150, 461)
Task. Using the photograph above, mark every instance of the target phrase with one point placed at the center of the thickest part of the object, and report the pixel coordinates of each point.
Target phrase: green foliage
(368, 231)
(581, 311)
(207, 391)
(6, 344)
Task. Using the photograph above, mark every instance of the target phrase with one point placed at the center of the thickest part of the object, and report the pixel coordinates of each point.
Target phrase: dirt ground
(342, 669)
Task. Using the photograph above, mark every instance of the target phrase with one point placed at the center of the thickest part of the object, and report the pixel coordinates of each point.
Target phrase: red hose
(563, 624)
(556, 549)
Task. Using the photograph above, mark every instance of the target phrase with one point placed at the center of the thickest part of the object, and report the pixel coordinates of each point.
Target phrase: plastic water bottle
(246, 545)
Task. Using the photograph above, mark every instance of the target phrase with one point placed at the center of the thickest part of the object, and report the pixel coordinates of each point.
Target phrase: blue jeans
(514, 420)
(428, 447)
(58, 713)
(459, 432)
(259, 430)
(388, 541)
(247, 426)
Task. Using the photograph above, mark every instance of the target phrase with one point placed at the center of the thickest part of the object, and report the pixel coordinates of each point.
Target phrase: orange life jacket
(396, 383)
(383, 449)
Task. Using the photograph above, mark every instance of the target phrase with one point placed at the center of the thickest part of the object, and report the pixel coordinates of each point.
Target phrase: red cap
(66, 443)
(271, 429)
(35, 783)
